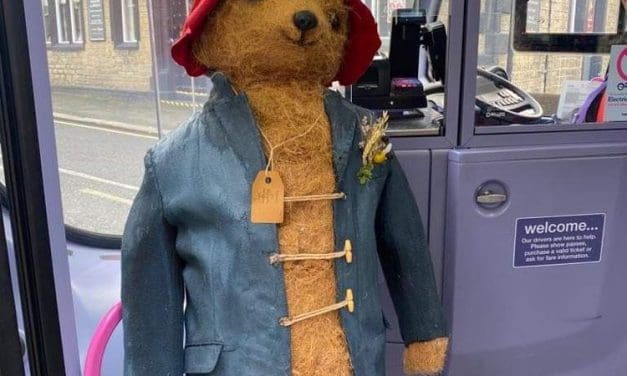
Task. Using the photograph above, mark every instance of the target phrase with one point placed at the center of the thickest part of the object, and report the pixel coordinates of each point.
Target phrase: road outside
(100, 172)
(102, 138)
(101, 142)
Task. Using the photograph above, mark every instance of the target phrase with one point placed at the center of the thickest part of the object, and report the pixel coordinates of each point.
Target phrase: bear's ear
(363, 43)
(182, 49)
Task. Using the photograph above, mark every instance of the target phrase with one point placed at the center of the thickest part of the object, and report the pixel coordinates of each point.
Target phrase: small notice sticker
(544, 241)
(616, 104)
(268, 198)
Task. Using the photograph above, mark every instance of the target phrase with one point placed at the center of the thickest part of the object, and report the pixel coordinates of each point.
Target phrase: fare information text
(544, 241)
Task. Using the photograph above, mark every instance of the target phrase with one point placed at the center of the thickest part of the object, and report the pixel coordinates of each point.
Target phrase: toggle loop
(347, 254)
(348, 303)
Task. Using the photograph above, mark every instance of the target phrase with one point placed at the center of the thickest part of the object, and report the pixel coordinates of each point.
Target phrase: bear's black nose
(305, 20)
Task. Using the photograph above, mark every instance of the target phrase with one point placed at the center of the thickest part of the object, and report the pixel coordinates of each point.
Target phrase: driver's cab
(537, 66)
(504, 112)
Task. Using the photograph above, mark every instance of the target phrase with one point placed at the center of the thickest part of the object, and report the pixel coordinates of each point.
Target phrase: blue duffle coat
(200, 294)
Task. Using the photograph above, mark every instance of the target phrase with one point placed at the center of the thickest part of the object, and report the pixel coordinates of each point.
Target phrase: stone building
(107, 44)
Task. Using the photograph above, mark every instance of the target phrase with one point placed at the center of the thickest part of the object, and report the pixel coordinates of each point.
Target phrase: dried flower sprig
(375, 146)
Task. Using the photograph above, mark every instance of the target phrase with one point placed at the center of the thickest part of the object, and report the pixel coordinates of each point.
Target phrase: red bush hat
(363, 40)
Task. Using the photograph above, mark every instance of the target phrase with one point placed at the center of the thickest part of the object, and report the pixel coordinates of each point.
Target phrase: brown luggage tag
(268, 195)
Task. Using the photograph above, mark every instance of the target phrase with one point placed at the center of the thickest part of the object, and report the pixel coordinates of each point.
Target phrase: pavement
(123, 111)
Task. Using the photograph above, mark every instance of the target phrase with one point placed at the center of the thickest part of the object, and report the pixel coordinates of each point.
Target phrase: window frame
(47, 16)
(75, 21)
(587, 43)
(59, 25)
(129, 6)
(471, 135)
(118, 12)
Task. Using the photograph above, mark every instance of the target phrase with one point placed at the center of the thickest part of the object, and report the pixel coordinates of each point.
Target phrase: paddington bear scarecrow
(253, 245)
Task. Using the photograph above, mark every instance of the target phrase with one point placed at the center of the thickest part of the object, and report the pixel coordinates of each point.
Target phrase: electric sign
(616, 107)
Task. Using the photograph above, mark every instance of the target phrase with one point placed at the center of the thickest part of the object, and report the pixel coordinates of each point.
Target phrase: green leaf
(365, 174)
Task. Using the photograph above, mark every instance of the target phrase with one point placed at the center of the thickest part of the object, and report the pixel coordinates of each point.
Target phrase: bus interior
(500, 111)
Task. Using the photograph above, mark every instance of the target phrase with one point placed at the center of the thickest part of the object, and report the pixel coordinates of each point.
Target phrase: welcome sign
(544, 241)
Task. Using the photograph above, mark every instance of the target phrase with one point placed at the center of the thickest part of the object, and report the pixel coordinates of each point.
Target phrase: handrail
(98, 343)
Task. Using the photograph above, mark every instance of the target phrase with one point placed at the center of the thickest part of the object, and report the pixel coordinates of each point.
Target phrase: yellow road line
(181, 104)
(107, 196)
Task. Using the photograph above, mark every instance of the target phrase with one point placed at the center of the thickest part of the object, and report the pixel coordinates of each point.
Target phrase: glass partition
(406, 77)
(541, 72)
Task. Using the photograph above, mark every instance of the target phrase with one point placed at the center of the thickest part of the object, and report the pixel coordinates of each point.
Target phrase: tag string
(294, 138)
(322, 197)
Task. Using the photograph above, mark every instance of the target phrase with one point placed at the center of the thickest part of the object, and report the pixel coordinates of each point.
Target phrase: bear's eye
(335, 22)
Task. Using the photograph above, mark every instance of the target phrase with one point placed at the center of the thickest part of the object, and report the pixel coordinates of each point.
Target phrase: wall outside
(99, 64)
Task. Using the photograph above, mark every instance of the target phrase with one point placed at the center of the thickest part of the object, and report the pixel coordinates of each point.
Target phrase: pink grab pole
(98, 344)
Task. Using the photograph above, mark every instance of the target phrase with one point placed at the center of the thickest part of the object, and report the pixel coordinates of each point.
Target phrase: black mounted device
(391, 82)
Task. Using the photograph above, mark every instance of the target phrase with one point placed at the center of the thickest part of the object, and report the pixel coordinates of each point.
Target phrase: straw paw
(425, 358)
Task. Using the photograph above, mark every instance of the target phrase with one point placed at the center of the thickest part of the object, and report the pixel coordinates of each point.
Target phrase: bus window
(545, 61)
(115, 92)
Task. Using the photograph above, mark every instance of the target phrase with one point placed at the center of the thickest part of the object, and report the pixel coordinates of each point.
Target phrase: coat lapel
(343, 124)
(235, 115)
(238, 123)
